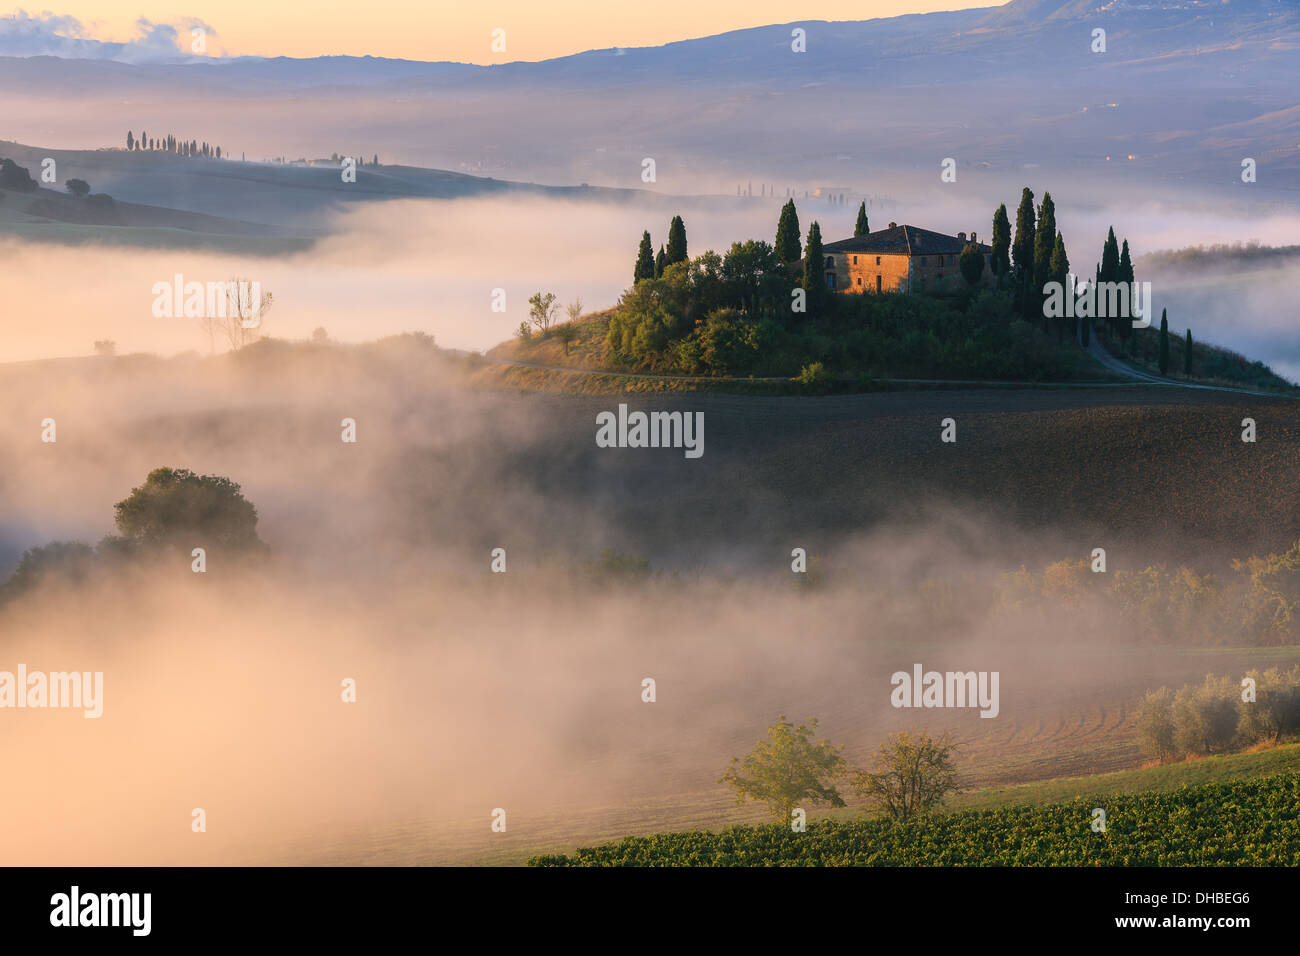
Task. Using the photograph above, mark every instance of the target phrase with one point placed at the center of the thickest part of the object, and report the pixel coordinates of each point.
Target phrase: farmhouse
(901, 259)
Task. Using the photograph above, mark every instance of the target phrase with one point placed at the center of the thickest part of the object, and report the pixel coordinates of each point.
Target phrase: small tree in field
(78, 187)
(566, 333)
(787, 769)
(912, 775)
(1155, 724)
(541, 310)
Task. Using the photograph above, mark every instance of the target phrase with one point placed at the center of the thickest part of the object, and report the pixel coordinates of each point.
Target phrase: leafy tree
(645, 260)
(177, 508)
(1164, 342)
(130, 141)
(972, 263)
(1276, 708)
(566, 334)
(105, 347)
(13, 176)
(65, 562)
(1155, 724)
(814, 271)
(1187, 355)
(676, 242)
(1001, 263)
(788, 247)
(787, 769)
(319, 336)
(660, 262)
(861, 227)
(541, 310)
(912, 775)
(78, 187)
(1206, 717)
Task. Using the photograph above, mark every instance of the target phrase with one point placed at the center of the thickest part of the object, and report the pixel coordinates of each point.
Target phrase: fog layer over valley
(434, 265)
(523, 690)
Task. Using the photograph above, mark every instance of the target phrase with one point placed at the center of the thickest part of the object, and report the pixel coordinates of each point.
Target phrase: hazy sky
(441, 30)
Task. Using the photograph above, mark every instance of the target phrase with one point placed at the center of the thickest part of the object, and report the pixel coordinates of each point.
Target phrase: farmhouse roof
(902, 240)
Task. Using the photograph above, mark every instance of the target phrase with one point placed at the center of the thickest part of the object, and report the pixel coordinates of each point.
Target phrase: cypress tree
(1058, 270)
(1001, 257)
(814, 273)
(1164, 342)
(1110, 258)
(676, 241)
(1044, 242)
(1023, 251)
(660, 261)
(861, 228)
(787, 246)
(1059, 267)
(1124, 276)
(645, 260)
(1109, 272)
(1187, 355)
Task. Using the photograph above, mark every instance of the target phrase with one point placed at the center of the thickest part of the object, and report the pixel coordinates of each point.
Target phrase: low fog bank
(522, 690)
(443, 473)
(436, 265)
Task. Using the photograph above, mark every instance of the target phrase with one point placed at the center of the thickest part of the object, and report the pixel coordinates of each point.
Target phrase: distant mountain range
(1187, 87)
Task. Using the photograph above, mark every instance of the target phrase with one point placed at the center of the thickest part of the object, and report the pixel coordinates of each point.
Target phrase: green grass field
(1252, 821)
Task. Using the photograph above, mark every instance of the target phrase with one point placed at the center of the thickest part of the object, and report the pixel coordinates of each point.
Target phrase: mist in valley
(478, 690)
(435, 265)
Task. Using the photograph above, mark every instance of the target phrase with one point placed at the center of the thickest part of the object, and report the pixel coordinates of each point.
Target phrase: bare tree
(574, 309)
(246, 308)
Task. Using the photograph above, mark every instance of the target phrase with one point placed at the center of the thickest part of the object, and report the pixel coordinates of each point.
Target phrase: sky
(422, 30)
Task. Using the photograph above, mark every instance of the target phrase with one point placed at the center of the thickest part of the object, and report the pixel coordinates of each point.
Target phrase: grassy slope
(47, 215)
(587, 352)
(420, 844)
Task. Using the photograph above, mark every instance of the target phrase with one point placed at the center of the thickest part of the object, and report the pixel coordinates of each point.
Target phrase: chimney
(961, 237)
(972, 238)
(893, 225)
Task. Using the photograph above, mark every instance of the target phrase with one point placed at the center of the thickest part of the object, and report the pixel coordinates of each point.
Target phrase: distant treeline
(1223, 255)
(1220, 715)
(1257, 602)
(170, 144)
